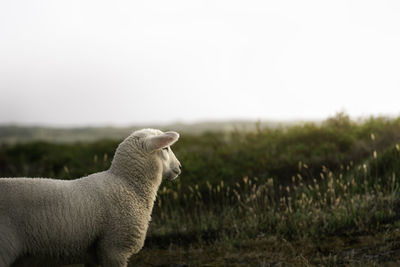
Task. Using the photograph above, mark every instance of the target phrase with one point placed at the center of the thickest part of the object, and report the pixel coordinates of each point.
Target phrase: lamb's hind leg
(10, 246)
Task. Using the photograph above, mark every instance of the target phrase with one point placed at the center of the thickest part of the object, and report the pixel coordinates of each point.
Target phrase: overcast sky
(126, 62)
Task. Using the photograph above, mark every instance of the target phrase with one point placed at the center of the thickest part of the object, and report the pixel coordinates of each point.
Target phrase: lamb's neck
(146, 189)
(143, 184)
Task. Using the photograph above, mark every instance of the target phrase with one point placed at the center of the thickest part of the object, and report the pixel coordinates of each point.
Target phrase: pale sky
(114, 62)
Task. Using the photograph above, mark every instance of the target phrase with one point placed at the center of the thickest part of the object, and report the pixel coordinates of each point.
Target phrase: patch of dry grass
(378, 249)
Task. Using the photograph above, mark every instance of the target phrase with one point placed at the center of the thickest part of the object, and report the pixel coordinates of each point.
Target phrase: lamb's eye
(165, 148)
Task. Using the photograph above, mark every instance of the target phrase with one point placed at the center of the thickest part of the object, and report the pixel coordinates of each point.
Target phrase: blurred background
(288, 113)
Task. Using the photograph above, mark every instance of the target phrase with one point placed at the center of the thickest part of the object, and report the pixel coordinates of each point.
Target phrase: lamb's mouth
(175, 173)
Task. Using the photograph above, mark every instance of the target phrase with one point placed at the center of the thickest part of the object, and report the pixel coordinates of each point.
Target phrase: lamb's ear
(161, 141)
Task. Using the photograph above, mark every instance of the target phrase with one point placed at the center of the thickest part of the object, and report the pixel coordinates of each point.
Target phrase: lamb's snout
(177, 170)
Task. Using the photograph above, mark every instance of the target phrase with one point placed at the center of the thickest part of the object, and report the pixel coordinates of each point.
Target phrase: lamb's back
(61, 216)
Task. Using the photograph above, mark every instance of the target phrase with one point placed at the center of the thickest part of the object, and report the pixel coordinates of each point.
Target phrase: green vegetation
(300, 195)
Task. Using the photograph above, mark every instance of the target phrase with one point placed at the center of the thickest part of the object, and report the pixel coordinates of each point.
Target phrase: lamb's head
(149, 148)
(159, 144)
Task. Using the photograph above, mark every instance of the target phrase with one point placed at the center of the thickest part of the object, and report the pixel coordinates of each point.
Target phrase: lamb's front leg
(114, 258)
(114, 250)
(111, 253)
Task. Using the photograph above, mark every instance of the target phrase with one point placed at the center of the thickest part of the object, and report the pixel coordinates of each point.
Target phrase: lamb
(98, 219)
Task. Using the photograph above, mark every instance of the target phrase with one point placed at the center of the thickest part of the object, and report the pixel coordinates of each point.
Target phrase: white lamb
(98, 219)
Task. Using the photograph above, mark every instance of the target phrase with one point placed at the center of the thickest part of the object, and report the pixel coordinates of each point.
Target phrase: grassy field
(325, 194)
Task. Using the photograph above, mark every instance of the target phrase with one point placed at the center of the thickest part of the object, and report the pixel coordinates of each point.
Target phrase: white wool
(98, 219)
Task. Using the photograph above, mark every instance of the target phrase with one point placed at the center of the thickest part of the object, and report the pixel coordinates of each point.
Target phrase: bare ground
(378, 249)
